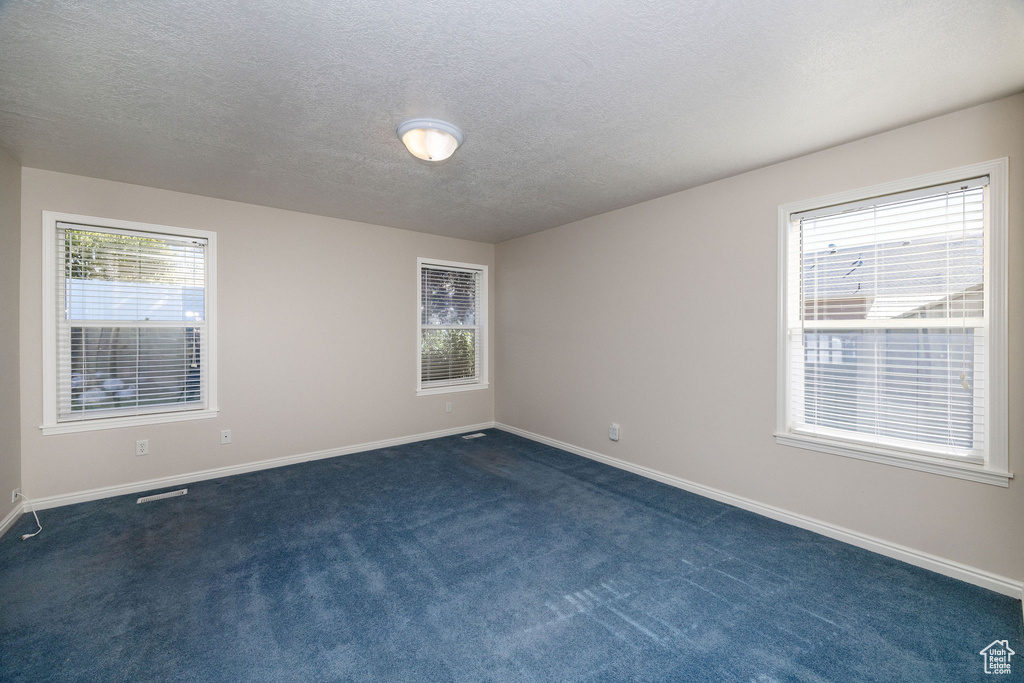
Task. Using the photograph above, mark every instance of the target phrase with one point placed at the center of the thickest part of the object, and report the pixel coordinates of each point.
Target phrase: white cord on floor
(27, 536)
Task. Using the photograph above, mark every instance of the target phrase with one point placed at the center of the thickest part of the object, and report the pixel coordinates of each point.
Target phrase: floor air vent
(474, 436)
(169, 494)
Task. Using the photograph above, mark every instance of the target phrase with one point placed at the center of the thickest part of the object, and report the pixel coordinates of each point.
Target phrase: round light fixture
(430, 139)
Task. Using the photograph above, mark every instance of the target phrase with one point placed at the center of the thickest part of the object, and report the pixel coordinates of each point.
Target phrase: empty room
(512, 341)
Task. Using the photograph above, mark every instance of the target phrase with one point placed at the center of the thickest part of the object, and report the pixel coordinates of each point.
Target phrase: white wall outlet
(613, 432)
(14, 495)
(142, 447)
(225, 436)
(448, 406)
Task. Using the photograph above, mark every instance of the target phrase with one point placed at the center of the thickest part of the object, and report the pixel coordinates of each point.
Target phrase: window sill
(451, 389)
(896, 458)
(130, 421)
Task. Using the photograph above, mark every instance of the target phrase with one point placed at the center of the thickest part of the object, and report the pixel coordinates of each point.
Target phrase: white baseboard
(13, 516)
(941, 565)
(216, 473)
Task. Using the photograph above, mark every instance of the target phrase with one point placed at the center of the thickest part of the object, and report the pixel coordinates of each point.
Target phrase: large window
(453, 314)
(893, 323)
(129, 333)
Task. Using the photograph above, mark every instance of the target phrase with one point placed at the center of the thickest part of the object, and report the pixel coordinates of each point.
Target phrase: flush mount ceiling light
(430, 139)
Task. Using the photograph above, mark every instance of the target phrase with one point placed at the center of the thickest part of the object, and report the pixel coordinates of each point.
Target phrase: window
(893, 324)
(453, 320)
(129, 335)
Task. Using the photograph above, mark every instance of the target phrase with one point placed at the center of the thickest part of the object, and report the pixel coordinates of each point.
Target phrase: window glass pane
(922, 258)
(131, 368)
(911, 384)
(123, 277)
(448, 297)
(448, 355)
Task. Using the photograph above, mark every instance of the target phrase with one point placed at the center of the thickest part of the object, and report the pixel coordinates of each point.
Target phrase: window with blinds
(131, 323)
(887, 323)
(452, 308)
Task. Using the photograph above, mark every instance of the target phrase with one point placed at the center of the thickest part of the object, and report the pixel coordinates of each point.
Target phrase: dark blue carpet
(494, 559)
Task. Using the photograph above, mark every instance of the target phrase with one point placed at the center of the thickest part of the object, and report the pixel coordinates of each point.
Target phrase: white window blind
(452, 315)
(887, 326)
(131, 322)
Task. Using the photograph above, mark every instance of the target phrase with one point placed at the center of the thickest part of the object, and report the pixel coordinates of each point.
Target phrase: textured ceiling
(570, 108)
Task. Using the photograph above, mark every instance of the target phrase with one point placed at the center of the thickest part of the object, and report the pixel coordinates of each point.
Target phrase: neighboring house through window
(452, 327)
(893, 323)
(128, 311)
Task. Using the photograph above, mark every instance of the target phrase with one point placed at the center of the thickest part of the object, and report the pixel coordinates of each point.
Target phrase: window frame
(994, 468)
(481, 327)
(51, 424)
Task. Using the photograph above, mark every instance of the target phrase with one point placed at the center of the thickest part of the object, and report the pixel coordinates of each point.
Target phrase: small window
(130, 336)
(452, 327)
(892, 328)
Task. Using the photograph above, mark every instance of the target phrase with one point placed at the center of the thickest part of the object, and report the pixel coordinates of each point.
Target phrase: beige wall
(662, 317)
(10, 240)
(317, 338)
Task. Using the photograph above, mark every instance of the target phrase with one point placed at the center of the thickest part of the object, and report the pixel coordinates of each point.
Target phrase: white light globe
(429, 139)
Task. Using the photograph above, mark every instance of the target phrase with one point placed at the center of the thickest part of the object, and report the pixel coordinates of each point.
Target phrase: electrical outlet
(142, 447)
(448, 406)
(225, 436)
(613, 432)
(14, 495)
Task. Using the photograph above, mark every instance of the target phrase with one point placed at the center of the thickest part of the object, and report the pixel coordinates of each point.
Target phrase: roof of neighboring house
(893, 279)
